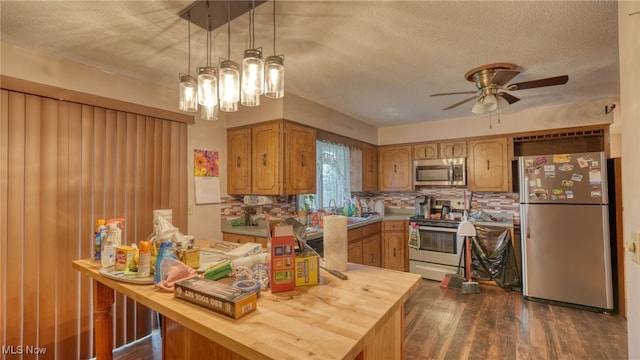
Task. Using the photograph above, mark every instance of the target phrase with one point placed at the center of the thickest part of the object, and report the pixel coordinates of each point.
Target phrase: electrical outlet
(190, 209)
(634, 246)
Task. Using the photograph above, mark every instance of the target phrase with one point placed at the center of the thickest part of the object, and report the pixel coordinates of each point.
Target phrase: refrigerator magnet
(582, 162)
(565, 167)
(576, 177)
(596, 194)
(595, 164)
(561, 158)
(548, 168)
(567, 183)
(541, 160)
(595, 177)
(557, 191)
(550, 175)
(569, 194)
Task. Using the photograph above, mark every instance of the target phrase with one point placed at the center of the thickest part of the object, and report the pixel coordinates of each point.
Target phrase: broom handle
(468, 258)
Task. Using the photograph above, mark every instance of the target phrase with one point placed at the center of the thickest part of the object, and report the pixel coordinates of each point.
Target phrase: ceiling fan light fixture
(503, 104)
(188, 93)
(478, 108)
(489, 103)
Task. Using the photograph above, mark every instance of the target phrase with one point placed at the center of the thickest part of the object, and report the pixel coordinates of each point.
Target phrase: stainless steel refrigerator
(566, 255)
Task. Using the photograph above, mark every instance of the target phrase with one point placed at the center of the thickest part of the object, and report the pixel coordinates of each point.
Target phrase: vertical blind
(63, 165)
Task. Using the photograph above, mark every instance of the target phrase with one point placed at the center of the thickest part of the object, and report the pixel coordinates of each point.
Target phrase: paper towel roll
(335, 242)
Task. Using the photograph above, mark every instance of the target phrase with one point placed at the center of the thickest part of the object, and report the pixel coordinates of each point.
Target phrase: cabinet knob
(302, 160)
(264, 159)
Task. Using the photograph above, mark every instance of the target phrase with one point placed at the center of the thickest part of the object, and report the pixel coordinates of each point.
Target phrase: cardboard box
(246, 249)
(219, 297)
(124, 254)
(307, 270)
(282, 258)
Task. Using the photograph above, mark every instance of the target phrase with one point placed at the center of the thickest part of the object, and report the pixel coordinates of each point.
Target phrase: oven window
(438, 241)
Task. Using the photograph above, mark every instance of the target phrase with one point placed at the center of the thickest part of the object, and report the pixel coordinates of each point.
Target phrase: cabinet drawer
(371, 229)
(354, 234)
(394, 225)
(237, 238)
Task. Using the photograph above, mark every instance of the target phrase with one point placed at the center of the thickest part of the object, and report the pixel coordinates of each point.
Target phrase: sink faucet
(334, 208)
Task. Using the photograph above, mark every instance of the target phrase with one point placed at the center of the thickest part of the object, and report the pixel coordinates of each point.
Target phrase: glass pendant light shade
(188, 93)
(229, 85)
(253, 72)
(209, 112)
(274, 77)
(502, 104)
(250, 100)
(207, 86)
(490, 103)
(477, 107)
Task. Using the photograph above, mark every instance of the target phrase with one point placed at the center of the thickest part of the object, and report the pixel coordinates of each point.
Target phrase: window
(333, 180)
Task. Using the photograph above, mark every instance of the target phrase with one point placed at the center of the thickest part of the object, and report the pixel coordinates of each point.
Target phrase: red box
(282, 258)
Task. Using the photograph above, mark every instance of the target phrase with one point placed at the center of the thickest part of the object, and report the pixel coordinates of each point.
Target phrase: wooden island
(358, 318)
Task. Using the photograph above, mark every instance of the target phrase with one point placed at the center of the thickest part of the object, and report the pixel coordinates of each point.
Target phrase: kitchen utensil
(444, 214)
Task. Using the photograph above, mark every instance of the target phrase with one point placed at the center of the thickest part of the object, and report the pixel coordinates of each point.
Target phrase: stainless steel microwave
(451, 172)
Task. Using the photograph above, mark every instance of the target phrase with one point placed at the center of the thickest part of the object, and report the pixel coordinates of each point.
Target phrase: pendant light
(229, 82)
(252, 67)
(188, 84)
(208, 77)
(274, 68)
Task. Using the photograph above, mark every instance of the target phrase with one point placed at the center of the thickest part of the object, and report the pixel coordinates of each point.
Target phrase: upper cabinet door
(395, 168)
(266, 159)
(369, 168)
(453, 149)
(239, 161)
(425, 151)
(489, 165)
(300, 159)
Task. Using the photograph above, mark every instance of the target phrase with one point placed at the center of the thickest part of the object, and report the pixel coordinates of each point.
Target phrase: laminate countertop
(313, 233)
(338, 319)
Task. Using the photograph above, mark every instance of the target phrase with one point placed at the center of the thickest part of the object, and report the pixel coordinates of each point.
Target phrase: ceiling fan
(491, 81)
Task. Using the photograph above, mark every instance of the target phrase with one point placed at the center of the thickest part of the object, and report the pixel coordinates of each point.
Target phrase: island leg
(103, 321)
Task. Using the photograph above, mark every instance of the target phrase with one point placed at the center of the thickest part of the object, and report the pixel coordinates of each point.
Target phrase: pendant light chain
(228, 29)
(274, 26)
(189, 44)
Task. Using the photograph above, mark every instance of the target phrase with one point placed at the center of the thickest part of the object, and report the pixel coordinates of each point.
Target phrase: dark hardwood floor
(442, 323)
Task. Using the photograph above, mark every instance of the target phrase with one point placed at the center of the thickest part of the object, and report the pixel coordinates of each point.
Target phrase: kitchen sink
(354, 219)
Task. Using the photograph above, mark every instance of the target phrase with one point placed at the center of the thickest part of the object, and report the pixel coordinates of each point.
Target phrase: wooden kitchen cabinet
(426, 151)
(453, 149)
(395, 168)
(364, 245)
(300, 159)
(488, 166)
(241, 239)
(266, 161)
(394, 245)
(239, 161)
(273, 158)
(369, 168)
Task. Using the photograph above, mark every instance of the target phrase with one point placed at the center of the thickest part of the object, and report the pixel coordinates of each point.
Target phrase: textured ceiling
(377, 61)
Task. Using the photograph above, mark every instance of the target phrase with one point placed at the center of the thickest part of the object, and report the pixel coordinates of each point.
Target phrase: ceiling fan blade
(558, 80)
(502, 77)
(510, 98)
(460, 103)
(455, 93)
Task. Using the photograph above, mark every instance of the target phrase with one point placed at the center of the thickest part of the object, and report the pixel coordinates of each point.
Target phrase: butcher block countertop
(358, 318)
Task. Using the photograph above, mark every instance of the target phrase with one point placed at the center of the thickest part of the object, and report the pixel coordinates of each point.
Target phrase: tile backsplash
(284, 206)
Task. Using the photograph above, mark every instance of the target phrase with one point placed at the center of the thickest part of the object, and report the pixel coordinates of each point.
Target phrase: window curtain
(333, 179)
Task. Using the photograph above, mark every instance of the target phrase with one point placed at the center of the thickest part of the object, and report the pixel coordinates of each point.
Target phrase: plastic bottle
(99, 235)
(144, 259)
(108, 253)
(163, 253)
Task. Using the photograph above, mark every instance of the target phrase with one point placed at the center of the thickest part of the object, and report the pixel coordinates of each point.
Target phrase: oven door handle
(451, 172)
(435, 228)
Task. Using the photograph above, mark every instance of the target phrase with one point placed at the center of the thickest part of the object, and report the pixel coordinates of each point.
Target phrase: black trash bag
(493, 257)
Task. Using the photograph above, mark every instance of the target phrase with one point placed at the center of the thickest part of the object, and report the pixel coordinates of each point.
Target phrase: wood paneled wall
(63, 165)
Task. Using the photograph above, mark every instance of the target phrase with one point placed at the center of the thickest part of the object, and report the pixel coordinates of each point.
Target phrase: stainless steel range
(439, 246)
